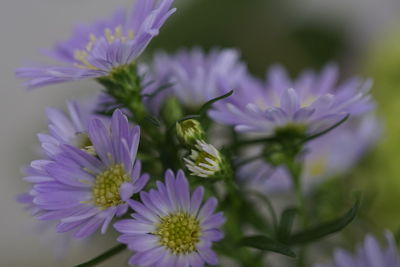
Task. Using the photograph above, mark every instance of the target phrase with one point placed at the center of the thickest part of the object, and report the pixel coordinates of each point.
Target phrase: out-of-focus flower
(195, 75)
(369, 254)
(171, 227)
(204, 160)
(306, 105)
(84, 191)
(96, 50)
(325, 157)
(67, 128)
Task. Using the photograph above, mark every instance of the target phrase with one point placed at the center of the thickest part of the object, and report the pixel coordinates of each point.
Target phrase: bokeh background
(362, 36)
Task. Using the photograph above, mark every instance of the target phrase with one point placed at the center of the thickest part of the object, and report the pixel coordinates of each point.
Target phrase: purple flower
(325, 157)
(84, 191)
(195, 75)
(369, 254)
(171, 227)
(95, 50)
(309, 103)
(67, 128)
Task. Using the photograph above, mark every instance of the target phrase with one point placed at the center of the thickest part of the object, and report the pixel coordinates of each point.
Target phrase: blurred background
(362, 36)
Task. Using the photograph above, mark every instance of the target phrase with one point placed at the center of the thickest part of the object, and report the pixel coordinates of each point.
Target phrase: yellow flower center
(83, 142)
(106, 186)
(179, 232)
(82, 55)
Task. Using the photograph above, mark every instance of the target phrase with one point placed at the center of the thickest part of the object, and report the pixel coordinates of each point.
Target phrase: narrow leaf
(314, 136)
(286, 223)
(324, 229)
(208, 104)
(159, 90)
(267, 244)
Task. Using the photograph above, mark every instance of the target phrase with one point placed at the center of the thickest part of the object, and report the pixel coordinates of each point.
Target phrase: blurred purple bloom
(311, 101)
(171, 227)
(327, 156)
(194, 75)
(369, 254)
(95, 50)
(84, 191)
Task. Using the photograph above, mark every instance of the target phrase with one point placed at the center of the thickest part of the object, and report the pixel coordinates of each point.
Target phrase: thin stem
(270, 208)
(102, 257)
(295, 170)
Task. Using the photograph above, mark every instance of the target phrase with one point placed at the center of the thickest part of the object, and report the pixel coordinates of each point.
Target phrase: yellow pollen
(82, 55)
(106, 187)
(179, 232)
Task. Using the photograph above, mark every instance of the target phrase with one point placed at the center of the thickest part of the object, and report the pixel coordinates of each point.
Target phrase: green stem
(295, 170)
(102, 257)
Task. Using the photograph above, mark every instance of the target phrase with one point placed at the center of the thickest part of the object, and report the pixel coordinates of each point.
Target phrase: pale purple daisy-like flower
(67, 128)
(325, 157)
(83, 191)
(195, 75)
(369, 254)
(310, 103)
(95, 50)
(171, 227)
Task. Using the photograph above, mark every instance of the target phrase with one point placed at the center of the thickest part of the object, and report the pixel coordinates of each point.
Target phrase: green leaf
(314, 136)
(153, 120)
(267, 244)
(324, 229)
(208, 104)
(286, 223)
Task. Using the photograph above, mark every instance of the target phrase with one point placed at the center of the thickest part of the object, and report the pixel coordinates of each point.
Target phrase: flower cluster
(368, 254)
(102, 160)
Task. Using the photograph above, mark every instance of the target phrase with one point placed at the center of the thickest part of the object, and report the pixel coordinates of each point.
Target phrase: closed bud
(189, 131)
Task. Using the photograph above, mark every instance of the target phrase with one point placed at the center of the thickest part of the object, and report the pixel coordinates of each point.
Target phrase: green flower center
(201, 159)
(106, 187)
(179, 232)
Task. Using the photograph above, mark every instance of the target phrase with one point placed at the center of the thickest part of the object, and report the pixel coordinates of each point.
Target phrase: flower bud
(205, 160)
(189, 131)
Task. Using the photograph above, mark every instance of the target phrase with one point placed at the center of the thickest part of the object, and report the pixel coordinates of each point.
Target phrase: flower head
(306, 105)
(369, 254)
(204, 160)
(325, 157)
(195, 75)
(97, 49)
(171, 227)
(84, 191)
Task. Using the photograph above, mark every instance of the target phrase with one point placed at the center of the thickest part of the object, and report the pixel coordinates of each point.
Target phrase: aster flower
(369, 254)
(307, 105)
(67, 128)
(171, 227)
(84, 191)
(328, 156)
(97, 49)
(194, 75)
(204, 161)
